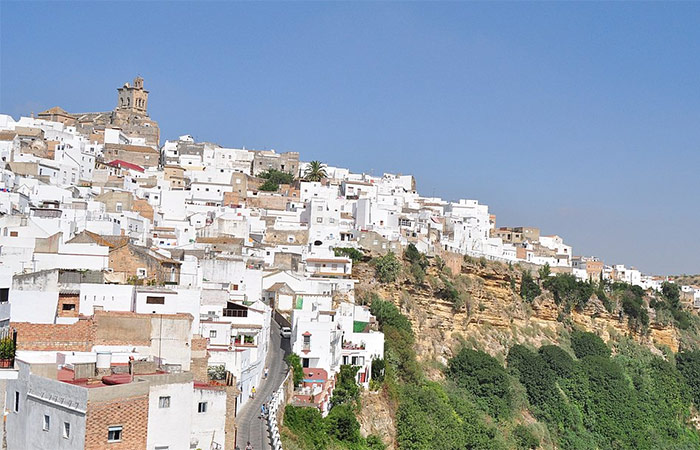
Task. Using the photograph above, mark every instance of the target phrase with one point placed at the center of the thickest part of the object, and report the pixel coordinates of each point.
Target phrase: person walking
(266, 372)
(252, 392)
(249, 446)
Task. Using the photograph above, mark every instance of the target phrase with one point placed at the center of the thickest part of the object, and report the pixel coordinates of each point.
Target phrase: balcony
(227, 312)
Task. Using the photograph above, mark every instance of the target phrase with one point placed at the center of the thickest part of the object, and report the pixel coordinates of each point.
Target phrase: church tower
(134, 98)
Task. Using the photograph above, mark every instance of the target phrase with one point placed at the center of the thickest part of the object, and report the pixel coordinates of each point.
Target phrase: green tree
(584, 343)
(342, 424)
(387, 267)
(484, 377)
(529, 290)
(354, 254)
(315, 171)
(346, 389)
(688, 364)
(524, 438)
(297, 371)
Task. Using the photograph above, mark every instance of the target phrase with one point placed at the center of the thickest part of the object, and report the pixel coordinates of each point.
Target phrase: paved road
(250, 426)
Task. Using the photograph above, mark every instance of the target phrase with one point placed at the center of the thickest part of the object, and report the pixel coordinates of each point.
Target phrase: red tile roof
(127, 165)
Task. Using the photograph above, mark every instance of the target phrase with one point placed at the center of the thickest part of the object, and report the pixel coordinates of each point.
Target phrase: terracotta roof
(126, 165)
(7, 135)
(54, 110)
(131, 148)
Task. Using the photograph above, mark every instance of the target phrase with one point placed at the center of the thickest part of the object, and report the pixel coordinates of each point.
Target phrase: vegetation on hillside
(580, 394)
(304, 428)
(273, 178)
(633, 400)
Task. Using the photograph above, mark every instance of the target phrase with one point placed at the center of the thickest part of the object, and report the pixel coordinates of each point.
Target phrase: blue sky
(580, 118)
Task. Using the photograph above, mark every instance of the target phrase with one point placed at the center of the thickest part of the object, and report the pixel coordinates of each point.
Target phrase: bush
(585, 344)
(269, 186)
(378, 366)
(213, 372)
(277, 176)
(308, 425)
(341, 424)
(297, 371)
(529, 290)
(484, 377)
(558, 360)
(418, 273)
(354, 254)
(524, 438)
(346, 390)
(387, 267)
(412, 254)
(688, 364)
(569, 291)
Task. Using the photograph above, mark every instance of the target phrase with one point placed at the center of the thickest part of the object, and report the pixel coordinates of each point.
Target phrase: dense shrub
(297, 371)
(354, 254)
(346, 389)
(585, 344)
(524, 438)
(483, 376)
(688, 364)
(558, 360)
(529, 290)
(387, 267)
(569, 291)
(342, 425)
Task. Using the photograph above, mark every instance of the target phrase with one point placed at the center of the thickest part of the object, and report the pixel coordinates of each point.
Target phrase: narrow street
(250, 426)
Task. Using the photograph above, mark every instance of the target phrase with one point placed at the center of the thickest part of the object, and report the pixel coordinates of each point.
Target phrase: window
(47, 422)
(68, 307)
(16, 401)
(4, 295)
(118, 207)
(66, 430)
(319, 219)
(152, 300)
(13, 234)
(202, 407)
(212, 334)
(164, 402)
(114, 434)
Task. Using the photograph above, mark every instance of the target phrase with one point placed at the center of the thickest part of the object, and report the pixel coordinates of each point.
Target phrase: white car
(286, 332)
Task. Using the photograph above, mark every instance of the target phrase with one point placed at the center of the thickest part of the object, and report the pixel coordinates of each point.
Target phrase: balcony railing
(235, 313)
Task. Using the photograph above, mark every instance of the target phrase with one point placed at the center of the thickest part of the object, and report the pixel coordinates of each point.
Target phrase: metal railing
(235, 313)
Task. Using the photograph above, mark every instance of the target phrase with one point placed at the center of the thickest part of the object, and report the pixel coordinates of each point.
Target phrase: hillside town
(150, 293)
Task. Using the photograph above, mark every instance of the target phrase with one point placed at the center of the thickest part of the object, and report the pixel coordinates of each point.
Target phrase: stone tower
(133, 98)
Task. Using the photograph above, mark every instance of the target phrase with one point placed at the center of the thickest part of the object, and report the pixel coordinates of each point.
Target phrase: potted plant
(7, 352)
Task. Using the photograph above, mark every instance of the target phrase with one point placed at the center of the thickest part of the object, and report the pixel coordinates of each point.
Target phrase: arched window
(128, 101)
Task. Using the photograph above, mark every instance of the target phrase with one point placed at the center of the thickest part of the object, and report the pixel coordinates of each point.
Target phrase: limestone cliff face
(494, 317)
(377, 417)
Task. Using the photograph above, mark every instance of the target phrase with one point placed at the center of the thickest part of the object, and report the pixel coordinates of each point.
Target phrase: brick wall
(200, 358)
(68, 299)
(39, 336)
(129, 413)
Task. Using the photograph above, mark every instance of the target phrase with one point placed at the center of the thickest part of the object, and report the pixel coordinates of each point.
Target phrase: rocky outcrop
(377, 416)
(494, 317)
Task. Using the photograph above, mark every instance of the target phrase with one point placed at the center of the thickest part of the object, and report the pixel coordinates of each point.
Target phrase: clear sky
(580, 118)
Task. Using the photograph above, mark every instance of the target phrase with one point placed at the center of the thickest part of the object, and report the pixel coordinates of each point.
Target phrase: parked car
(286, 332)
